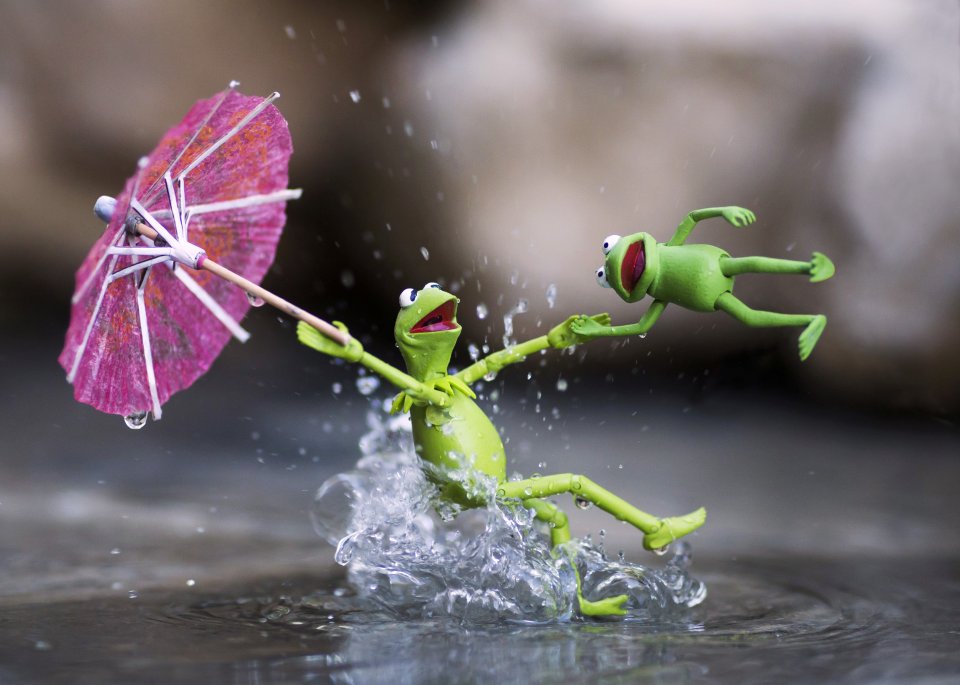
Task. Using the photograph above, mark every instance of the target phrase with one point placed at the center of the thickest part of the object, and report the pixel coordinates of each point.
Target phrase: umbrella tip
(104, 208)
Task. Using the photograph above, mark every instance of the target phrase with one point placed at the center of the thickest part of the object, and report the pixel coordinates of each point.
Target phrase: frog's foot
(674, 527)
(821, 268)
(811, 334)
(609, 606)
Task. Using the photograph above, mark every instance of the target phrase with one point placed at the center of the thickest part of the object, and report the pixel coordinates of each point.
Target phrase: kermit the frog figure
(457, 442)
(696, 277)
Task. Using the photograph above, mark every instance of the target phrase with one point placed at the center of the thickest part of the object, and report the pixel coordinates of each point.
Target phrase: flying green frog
(696, 277)
(456, 441)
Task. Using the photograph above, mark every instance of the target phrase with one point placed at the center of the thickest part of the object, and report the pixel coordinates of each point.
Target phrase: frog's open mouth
(440, 319)
(631, 269)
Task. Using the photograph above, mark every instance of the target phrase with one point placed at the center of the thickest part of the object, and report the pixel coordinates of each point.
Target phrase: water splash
(411, 554)
(508, 321)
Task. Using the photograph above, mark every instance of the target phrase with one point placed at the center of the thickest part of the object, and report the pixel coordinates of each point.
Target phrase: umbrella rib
(207, 300)
(93, 319)
(151, 191)
(139, 266)
(174, 209)
(147, 349)
(229, 134)
(239, 203)
(86, 284)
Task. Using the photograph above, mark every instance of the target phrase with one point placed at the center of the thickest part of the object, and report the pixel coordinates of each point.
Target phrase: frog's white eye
(602, 278)
(407, 297)
(431, 284)
(609, 242)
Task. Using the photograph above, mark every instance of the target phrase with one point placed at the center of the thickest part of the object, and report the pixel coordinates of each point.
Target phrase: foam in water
(414, 556)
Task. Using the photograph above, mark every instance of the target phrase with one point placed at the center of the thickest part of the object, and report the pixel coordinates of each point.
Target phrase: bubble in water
(582, 502)
(551, 295)
(136, 421)
(562, 384)
(254, 300)
(482, 311)
(367, 384)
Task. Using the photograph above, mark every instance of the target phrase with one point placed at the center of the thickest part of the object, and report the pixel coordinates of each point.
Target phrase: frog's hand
(401, 403)
(312, 338)
(588, 328)
(461, 387)
(738, 216)
(564, 334)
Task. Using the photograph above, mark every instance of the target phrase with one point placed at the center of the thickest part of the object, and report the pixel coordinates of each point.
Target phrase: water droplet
(191, 582)
(115, 551)
(408, 128)
(562, 384)
(347, 278)
(582, 502)
(367, 384)
(473, 351)
(355, 95)
(482, 311)
(490, 376)
(136, 421)
(660, 551)
(42, 646)
(620, 466)
(551, 295)
(528, 492)
(132, 594)
(386, 102)
(291, 32)
(337, 388)
(425, 253)
(254, 300)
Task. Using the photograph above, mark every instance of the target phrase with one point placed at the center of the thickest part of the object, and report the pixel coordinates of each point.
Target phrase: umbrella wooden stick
(255, 290)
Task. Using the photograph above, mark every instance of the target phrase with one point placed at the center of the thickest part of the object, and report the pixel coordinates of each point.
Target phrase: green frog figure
(456, 441)
(696, 277)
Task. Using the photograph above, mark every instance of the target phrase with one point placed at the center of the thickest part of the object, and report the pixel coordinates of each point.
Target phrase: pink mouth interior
(632, 267)
(440, 319)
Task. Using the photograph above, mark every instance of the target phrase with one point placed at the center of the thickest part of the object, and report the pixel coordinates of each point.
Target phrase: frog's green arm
(496, 361)
(735, 216)
(353, 352)
(404, 381)
(641, 327)
(690, 220)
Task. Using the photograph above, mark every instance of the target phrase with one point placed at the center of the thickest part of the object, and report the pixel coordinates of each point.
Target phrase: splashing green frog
(456, 441)
(696, 277)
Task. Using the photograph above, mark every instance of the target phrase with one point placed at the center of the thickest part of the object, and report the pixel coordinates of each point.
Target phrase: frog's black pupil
(413, 295)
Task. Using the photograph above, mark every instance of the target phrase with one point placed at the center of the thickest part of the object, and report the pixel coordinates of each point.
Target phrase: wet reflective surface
(184, 552)
(765, 621)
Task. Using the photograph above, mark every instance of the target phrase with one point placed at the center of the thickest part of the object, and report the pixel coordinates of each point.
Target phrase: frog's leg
(657, 532)
(819, 267)
(814, 323)
(560, 533)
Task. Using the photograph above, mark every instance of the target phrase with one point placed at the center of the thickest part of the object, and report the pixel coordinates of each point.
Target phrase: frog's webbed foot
(673, 528)
(810, 335)
(821, 268)
(609, 606)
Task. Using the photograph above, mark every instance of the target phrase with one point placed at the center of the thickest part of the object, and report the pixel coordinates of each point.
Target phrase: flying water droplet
(582, 502)
(660, 551)
(552, 295)
(254, 300)
(508, 321)
(136, 421)
(355, 95)
(337, 388)
(473, 351)
(482, 311)
(425, 253)
(367, 384)
(562, 384)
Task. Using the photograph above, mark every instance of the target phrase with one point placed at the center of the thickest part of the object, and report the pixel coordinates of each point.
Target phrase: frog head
(631, 265)
(426, 330)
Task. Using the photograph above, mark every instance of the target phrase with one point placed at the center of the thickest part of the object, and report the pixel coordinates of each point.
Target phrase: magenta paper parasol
(149, 314)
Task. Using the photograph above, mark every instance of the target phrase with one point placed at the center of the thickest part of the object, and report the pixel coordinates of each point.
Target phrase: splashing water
(552, 295)
(415, 556)
(508, 321)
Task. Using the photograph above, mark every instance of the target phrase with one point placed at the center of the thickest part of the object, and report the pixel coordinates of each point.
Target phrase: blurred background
(491, 146)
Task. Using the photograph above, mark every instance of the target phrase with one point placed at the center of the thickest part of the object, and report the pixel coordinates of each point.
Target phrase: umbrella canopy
(142, 325)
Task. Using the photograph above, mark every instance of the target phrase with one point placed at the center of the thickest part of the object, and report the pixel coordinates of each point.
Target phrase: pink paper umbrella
(156, 297)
